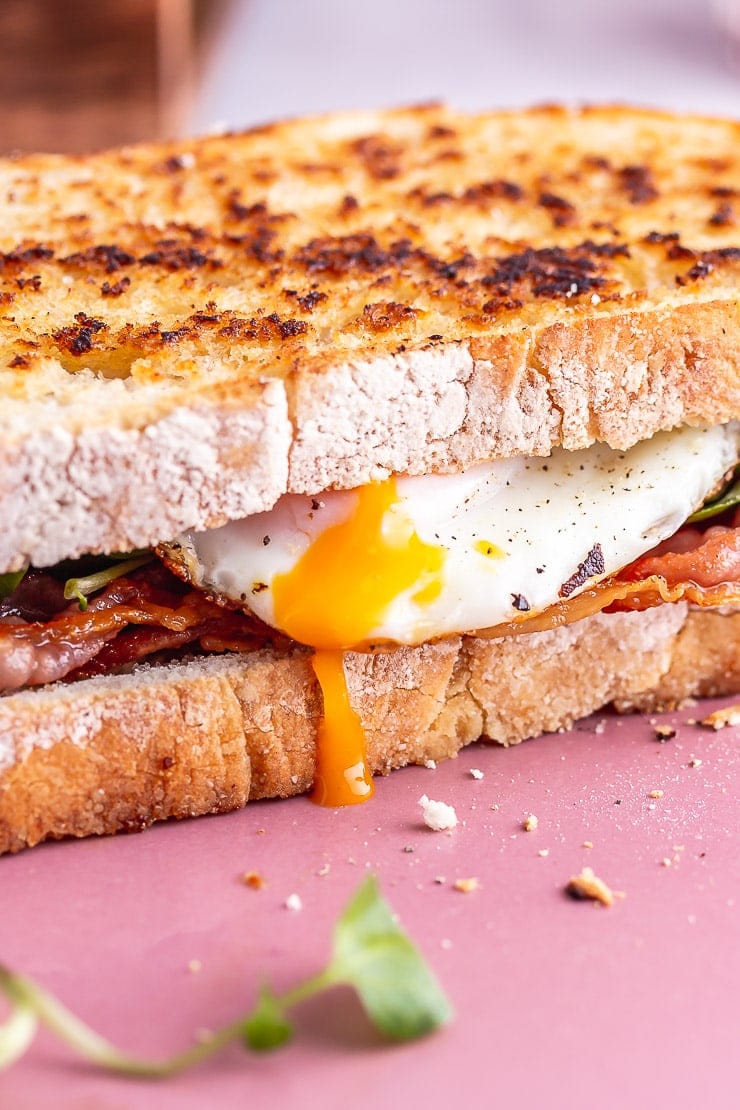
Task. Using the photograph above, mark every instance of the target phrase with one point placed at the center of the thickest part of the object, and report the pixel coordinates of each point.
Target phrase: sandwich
(337, 444)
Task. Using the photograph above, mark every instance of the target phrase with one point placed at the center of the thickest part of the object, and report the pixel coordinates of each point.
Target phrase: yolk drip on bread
(334, 596)
(342, 776)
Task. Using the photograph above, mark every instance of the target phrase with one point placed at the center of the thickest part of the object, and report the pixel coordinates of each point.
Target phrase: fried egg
(412, 559)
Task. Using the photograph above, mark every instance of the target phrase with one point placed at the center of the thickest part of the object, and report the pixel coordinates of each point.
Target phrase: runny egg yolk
(333, 598)
(337, 593)
(342, 776)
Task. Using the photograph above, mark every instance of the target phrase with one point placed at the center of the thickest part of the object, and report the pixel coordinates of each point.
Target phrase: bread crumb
(494, 807)
(530, 822)
(588, 844)
(324, 869)
(293, 902)
(437, 815)
(194, 965)
(254, 880)
(589, 887)
(544, 852)
(600, 727)
(694, 762)
(431, 764)
(664, 733)
(466, 886)
(440, 879)
(721, 718)
(475, 773)
(666, 862)
(656, 794)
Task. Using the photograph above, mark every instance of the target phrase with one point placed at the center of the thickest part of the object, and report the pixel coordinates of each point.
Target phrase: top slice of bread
(189, 330)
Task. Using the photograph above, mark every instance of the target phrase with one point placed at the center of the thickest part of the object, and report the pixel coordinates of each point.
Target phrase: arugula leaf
(373, 954)
(9, 582)
(728, 499)
(370, 953)
(267, 1026)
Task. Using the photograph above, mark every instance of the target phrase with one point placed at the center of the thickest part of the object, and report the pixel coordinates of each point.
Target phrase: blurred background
(77, 75)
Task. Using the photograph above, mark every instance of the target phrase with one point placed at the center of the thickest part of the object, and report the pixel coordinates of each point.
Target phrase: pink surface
(559, 1003)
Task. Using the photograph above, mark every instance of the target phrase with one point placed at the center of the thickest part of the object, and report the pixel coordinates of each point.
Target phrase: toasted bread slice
(206, 736)
(189, 330)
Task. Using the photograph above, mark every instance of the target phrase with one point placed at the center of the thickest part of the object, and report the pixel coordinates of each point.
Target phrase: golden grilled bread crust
(205, 737)
(187, 331)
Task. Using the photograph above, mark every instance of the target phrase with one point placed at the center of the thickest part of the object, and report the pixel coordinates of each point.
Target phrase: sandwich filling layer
(408, 560)
(505, 548)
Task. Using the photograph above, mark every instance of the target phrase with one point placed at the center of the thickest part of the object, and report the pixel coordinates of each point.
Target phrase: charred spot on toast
(23, 254)
(638, 183)
(79, 338)
(723, 216)
(346, 254)
(174, 254)
(380, 156)
(387, 315)
(306, 301)
(702, 263)
(108, 256)
(555, 271)
(560, 209)
(116, 289)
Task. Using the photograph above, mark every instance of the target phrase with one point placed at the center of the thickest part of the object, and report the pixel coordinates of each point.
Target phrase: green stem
(32, 1000)
(79, 1036)
(312, 986)
(90, 583)
(17, 1034)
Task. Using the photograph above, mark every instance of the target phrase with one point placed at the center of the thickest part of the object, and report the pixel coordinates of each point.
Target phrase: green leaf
(9, 582)
(374, 955)
(728, 499)
(267, 1026)
(371, 954)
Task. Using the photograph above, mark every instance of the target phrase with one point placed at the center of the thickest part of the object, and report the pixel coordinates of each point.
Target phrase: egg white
(540, 517)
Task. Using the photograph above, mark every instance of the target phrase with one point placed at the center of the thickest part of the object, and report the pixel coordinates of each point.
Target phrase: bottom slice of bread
(205, 736)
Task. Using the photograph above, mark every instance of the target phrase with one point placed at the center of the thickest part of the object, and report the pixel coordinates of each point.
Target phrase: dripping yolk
(342, 775)
(333, 598)
(339, 590)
